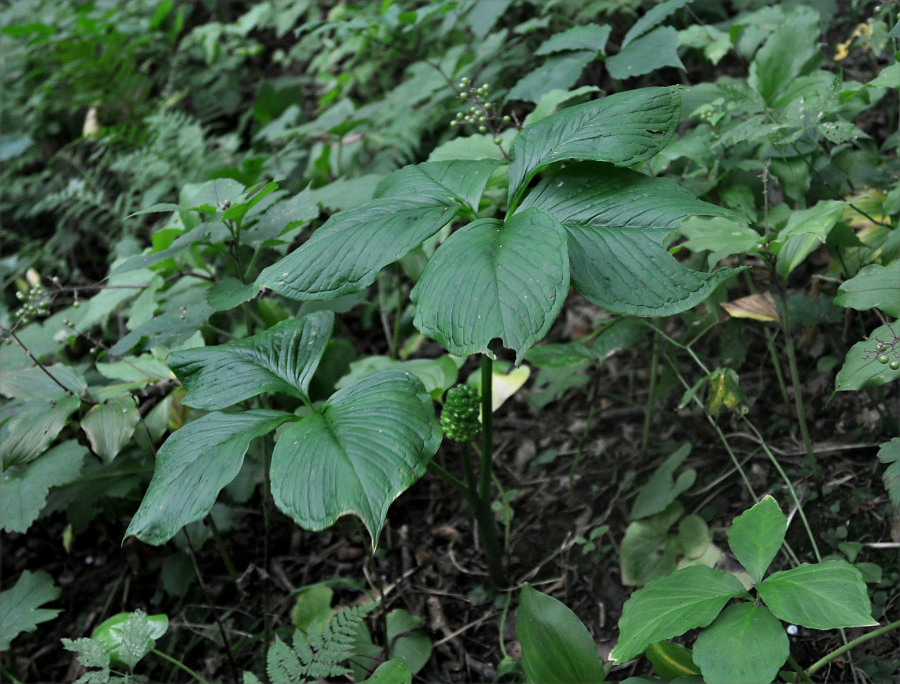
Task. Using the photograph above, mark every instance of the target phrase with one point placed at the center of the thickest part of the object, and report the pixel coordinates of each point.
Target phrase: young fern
(317, 653)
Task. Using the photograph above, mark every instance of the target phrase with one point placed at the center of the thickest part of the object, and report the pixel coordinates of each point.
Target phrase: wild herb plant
(474, 249)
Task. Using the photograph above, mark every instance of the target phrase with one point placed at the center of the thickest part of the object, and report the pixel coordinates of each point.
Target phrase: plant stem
(819, 664)
(487, 528)
(178, 664)
(654, 375)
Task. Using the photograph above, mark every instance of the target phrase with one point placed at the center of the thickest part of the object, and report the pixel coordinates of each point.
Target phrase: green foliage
(239, 199)
(556, 647)
(318, 652)
(20, 609)
(824, 595)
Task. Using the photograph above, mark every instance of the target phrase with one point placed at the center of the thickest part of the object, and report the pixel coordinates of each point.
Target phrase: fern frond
(319, 652)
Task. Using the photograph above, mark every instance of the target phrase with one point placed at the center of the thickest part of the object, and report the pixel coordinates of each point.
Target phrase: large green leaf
(371, 441)
(24, 489)
(193, 466)
(459, 181)
(756, 535)
(670, 606)
(35, 428)
(786, 52)
(19, 611)
(650, 52)
(754, 641)
(346, 254)
(889, 454)
(492, 279)
(36, 383)
(616, 220)
(556, 646)
(110, 425)
(825, 595)
(874, 286)
(627, 271)
(280, 359)
(623, 129)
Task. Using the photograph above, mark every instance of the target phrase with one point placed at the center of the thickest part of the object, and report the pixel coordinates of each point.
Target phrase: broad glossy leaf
(656, 50)
(280, 359)
(371, 441)
(756, 535)
(670, 606)
(653, 18)
(861, 367)
(110, 425)
(556, 646)
(345, 254)
(492, 279)
(874, 286)
(627, 271)
(34, 383)
(35, 428)
(616, 220)
(24, 488)
(591, 37)
(193, 466)
(558, 72)
(889, 453)
(623, 129)
(825, 595)
(745, 645)
(19, 606)
(443, 183)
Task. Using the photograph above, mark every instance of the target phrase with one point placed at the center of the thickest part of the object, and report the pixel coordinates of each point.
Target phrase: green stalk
(822, 662)
(487, 528)
(654, 375)
(178, 664)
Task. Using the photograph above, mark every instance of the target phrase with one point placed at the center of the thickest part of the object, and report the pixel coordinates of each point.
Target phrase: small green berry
(883, 359)
(895, 365)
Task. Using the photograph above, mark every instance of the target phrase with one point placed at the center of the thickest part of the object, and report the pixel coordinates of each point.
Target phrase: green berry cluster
(883, 358)
(459, 418)
(35, 304)
(481, 113)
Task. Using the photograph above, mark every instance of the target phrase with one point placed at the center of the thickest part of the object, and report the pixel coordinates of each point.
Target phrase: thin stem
(453, 481)
(654, 376)
(34, 360)
(819, 664)
(798, 393)
(790, 486)
(487, 426)
(178, 664)
(223, 552)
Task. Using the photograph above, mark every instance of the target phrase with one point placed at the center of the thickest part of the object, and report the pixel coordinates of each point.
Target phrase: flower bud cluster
(481, 114)
(35, 304)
